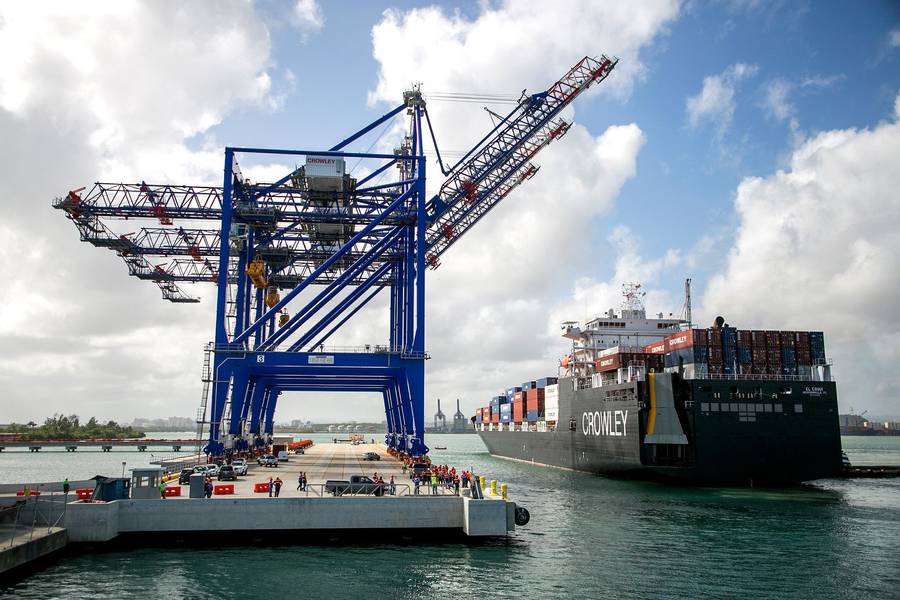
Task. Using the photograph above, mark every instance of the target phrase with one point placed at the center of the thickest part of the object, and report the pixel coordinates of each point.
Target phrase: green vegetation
(69, 427)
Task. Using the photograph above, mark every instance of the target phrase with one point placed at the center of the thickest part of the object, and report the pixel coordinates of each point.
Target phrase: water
(589, 537)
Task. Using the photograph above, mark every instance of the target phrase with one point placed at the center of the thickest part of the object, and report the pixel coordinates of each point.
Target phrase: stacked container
(518, 410)
(773, 352)
(534, 403)
(817, 347)
(788, 353)
(505, 412)
(745, 351)
(478, 415)
(551, 403)
(758, 352)
(714, 351)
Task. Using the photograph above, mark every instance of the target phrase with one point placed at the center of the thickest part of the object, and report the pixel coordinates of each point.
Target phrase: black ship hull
(703, 432)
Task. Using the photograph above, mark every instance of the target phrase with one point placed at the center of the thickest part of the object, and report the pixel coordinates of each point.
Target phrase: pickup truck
(358, 484)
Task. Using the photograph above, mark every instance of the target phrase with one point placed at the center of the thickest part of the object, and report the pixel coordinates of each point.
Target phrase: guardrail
(46, 510)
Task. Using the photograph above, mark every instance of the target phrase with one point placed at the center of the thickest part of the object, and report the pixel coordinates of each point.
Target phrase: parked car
(227, 473)
(212, 470)
(299, 451)
(184, 478)
(358, 484)
(240, 466)
(268, 460)
(371, 456)
(201, 469)
(283, 456)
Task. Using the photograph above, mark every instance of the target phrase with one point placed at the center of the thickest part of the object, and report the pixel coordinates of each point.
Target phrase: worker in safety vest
(162, 489)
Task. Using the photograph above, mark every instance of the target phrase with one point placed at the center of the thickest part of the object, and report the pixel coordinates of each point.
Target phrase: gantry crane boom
(527, 129)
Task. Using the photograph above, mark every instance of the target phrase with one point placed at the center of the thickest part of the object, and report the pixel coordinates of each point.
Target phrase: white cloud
(307, 16)
(715, 101)
(894, 38)
(816, 249)
(776, 101)
(89, 91)
(487, 302)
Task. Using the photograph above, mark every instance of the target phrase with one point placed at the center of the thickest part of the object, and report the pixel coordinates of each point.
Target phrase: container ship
(655, 398)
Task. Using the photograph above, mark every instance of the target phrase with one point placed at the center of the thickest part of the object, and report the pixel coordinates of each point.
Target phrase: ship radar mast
(633, 301)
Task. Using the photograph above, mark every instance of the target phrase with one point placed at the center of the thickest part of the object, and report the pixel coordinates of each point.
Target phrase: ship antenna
(687, 301)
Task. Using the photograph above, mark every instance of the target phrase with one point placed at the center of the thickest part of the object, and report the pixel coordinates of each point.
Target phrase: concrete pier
(296, 512)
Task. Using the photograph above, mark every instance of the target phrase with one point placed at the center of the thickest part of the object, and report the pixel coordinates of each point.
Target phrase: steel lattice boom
(294, 260)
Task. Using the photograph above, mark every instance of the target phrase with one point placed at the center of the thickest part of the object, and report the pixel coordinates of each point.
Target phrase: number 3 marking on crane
(260, 358)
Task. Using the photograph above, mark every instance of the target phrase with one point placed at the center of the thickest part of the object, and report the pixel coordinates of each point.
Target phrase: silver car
(240, 466)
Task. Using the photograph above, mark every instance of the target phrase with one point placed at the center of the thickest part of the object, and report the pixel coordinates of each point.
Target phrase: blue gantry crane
(294, 260)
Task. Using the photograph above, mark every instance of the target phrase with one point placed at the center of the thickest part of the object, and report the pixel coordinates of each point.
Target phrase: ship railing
(753, 377)
(362, 489)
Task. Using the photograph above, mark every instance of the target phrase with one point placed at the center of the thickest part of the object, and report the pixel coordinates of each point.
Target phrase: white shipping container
(551, 414)
(324, 166)
(551, 396)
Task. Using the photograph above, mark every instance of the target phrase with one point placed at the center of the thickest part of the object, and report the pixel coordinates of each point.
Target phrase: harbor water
(589, 537)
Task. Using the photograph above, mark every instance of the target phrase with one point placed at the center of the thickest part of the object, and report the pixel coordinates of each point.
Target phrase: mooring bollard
(503, 490)
(482, 482)
(493, 487)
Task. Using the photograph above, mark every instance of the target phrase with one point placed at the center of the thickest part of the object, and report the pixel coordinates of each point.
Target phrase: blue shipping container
(745, 356)
(545, 381)
(788, 357)
(533, 415)
(817, 346)
(694, 354)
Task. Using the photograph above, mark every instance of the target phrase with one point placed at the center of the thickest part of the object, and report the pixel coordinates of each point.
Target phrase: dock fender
(522, 516)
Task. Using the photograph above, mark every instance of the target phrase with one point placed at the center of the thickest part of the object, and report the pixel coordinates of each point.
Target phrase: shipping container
(714, 337)
(551, 397)
(551, 415)
(545, 381)
(744, 338)
(773, 340)
(656, 348)
(518, 411)
(788, 357)
(529, 385)
(686, 339)
(817, 347)
(787, 339)
(534, 415)
(744, 355)
(758, 338)
(534, 399)
(495, 417)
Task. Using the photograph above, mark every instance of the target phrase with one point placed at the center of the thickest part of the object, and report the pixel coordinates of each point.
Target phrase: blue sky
(686, 175)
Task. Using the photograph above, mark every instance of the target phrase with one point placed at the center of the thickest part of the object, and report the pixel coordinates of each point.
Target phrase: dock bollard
(503, 490)
(493, 487)
(482, 482)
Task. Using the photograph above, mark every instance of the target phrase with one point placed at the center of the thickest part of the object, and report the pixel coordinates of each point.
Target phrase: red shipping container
(787, 339)
(744, 338)
(773, 358)
(759, 338)
(495, 418)
(518, 396)
(518, 411)
(534, 399)
(773, 339)
(715, 369)
(715, 355)
(686, 339)
(656, 347)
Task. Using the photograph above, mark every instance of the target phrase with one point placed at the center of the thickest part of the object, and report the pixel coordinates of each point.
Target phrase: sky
(750, 145)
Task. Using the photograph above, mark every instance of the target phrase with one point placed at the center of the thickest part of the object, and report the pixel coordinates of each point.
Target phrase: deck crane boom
(295, 259)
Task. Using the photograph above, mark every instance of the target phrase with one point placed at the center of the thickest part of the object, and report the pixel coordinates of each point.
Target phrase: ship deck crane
(295, 260)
